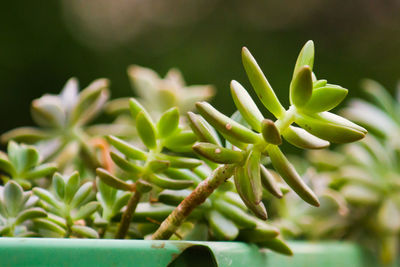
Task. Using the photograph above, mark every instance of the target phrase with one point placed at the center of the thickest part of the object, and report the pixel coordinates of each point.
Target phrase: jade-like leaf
(146, 130)
(168, 122)
(72, 186)
(226, 125)
(127, 149)
(84, 231)
(125, 165)
(252, 171)
(81, 194)
(268, 181)
(270, 132)
(47, 197)
(167, 183)
(305, 57)
(203, 131)
(180, 162)
(243, 187)
(13, 198)
(325, 98)
(246, 106)
(44, 223)
(87, 210)
(261, 85)
(41, 171)
(48, 111)
(331, 127)
(222, 227)
(158, 165)
(135, 107)
(290, 175)
(261, 233)
(23, 157)
(278, 245)
(182, 139)
(319, 83)
(236, 214)
(218, 154)
(301, 87)
(113, 181)
(30, 214)
(302, 139)
(58, 185)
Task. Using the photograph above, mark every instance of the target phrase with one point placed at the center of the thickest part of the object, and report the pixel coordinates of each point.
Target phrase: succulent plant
(148, 168)
(22, 164)
(382, 116)
(17, 210)
(310, 99)
(225, 214)
(68, 203)
(158, 94)
(62, 119)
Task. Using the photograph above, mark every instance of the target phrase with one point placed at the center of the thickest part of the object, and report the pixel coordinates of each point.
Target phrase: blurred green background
(43, 43)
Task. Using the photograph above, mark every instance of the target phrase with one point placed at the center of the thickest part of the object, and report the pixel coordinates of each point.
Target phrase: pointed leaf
(302, 139)
(203, 131)
(127, 149)
(325, 98)
(301, 87)
(290, 175)
(306, 57)
(218, 154)
(226, 125)
(168, 122)
(223, 228)
(113, 181)
(261, 85)
(246, 106)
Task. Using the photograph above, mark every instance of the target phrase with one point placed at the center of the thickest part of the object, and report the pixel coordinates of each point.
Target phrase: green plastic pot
(138, 253)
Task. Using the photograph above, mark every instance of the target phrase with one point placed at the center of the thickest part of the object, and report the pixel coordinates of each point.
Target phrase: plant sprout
(310, 99)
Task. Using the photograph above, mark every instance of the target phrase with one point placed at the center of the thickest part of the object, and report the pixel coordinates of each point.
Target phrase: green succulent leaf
(113, 181)
(226, 125)
(41, 171)
(305, 58)
(218, 154)
(146, 130)
(302, 139)
(80, 195)
(59, 186)
(236, 214)
(223, 228)
(13, 197)
(181, 141)
(278, 245)
(158, 165)
(84, 231)
(127, 149)
(71, 186)
(30, 214)
(319, 83)
(246, 106)
(268, 181)
(203, 131)
(325, 98)
(87, 210)
(125, 165)
(180, 162)
(261, 233)
(135, 107)
(290, 175)
(44, 223)
(270, 132)
(261, 85)
(243, 187)
(331, 127)
(168, 122)
(167, 183)
(301, 87)
(252, 172)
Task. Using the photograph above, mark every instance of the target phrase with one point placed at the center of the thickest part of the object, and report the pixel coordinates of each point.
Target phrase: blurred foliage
(42, 44)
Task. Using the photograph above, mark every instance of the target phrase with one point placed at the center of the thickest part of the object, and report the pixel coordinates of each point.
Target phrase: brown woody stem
(127, 215)
(169, 226)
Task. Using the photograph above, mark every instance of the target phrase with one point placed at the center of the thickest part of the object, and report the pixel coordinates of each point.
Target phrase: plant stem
(127, 215)
(197, 197)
